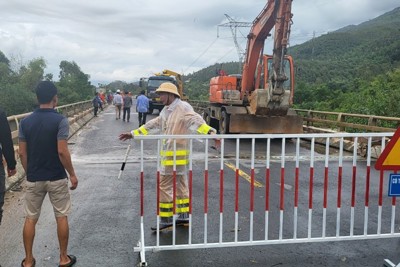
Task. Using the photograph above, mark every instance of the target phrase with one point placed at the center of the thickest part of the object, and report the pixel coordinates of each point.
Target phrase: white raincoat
(178, 118)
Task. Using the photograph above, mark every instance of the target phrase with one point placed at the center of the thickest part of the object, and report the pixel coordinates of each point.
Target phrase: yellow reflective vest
(178, 118)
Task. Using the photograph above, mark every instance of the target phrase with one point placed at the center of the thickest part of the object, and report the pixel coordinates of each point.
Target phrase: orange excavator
(260, 99)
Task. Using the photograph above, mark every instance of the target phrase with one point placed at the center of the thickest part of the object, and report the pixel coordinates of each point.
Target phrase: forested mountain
(361, 51)
(354, 69)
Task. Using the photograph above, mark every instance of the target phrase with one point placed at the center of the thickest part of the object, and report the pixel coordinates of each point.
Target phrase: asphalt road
(104, 224)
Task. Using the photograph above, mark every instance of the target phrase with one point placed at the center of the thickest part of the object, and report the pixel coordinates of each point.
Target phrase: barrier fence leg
(388, 263)
(142, 246)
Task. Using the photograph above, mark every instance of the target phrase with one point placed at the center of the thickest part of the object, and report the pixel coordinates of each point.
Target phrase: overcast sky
(129, 39)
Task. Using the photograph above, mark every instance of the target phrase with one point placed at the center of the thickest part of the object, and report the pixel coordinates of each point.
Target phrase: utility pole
(233, 25)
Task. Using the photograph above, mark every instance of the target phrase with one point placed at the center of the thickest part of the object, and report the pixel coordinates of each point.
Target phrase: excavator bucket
(264, 102)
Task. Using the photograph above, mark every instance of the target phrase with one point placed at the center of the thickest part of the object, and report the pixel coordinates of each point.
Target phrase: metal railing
(319, 207)
(72, 111)
(347, 122)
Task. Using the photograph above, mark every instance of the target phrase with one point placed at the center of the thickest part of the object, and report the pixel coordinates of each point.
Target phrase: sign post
(390, 160)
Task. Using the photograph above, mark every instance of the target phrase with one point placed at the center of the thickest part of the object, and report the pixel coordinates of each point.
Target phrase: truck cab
(153, 83)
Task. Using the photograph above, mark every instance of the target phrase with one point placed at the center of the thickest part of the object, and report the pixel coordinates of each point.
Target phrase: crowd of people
(122, 101)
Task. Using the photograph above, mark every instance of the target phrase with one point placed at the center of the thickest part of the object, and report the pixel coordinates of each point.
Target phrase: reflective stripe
(143, 130)
(204, 129)
(177, 153)
(166, 214)
(171, 162)
(182, 210)
(166, 205)
(182, 201)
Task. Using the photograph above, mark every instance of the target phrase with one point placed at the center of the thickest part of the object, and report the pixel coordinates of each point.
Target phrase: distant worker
(142, 107)
(96, 102)
(44, 154)
(127, 99)
(176, 118)
(6, 149)
(109, 98)
(103, 99)
(117, 101)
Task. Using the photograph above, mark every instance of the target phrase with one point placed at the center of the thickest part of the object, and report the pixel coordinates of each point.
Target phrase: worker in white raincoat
(176, 118)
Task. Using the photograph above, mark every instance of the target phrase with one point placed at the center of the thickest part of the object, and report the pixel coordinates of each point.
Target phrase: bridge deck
(104, 224)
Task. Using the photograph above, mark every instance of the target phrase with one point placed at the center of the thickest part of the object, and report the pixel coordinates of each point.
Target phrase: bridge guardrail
(78, 114)
(336, 121)
(70, 111)
(345, 122)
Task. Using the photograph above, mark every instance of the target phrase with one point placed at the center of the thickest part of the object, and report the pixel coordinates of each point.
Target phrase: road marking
(243, 174)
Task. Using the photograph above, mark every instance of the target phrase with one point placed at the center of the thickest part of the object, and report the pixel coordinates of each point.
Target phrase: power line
(201, 54)
(234, 25)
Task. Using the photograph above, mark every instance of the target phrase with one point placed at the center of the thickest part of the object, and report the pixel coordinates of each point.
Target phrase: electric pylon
(233, 25)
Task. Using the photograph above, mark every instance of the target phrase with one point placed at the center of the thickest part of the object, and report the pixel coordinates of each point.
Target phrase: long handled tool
(123, 163)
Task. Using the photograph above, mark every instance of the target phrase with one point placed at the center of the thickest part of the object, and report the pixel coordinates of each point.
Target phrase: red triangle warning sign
(390, 157)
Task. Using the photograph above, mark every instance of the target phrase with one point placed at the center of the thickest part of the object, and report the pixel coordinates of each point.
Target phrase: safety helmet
(118, 91)
(168, 88)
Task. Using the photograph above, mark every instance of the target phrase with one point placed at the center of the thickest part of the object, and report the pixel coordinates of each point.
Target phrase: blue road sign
(394, 185)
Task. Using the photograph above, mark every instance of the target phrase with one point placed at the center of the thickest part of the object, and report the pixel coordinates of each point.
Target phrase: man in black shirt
(44, 154)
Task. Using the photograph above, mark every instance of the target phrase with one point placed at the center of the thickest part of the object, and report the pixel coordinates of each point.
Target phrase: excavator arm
(260, 100)
(276, 13)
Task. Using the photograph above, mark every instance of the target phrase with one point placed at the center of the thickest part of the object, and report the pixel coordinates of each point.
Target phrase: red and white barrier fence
(300, 188)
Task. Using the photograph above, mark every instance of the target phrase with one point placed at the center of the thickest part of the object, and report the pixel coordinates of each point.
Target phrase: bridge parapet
(78, 115)
(327, 121)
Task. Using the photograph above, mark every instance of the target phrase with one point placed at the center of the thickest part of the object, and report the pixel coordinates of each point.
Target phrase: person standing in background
(6, 149)
(44, 154)
(96, 103)
(117, 101)
(127, 106)
(142, 107)
(102, 99)
(109, 98)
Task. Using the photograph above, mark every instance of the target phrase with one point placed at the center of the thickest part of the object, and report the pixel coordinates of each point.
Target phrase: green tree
(74, 83)
(32, 74)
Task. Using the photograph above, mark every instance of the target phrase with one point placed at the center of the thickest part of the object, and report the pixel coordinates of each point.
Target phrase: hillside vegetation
(354, 69)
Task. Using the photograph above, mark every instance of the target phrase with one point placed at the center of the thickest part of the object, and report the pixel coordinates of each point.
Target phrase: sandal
(71, 263)
(33, 263)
